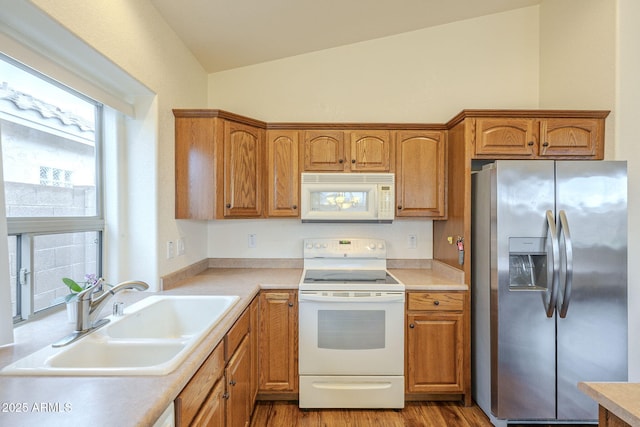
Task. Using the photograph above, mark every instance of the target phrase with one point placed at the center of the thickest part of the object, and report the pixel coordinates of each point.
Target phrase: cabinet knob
(295, 206)
(290, 304)
(411, 325)
(436, 302)
(232, 382)
(399, 208)
(228, 205)
(545, 144)
(225, 395)
(530, 143)
(353, 161)
(340, 161)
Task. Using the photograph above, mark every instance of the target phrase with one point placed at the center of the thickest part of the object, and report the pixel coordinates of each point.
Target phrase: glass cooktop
(348, 276)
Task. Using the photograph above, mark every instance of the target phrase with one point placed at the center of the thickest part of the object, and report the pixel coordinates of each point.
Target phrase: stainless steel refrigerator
(549, 286)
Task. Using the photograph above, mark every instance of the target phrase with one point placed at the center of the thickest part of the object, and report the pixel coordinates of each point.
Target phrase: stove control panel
(345, 248)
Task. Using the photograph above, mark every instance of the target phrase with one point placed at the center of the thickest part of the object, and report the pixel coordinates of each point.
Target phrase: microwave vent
(349, 178)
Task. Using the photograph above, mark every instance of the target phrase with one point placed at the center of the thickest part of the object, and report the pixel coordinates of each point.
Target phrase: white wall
(578, 57)
(589, 60)
(133, 35)
(627, 119)
(282, 238)
(424, 76)
(421, 76)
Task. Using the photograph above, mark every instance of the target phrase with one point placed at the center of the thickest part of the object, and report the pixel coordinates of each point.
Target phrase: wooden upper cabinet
(572, 137)
(194, 167)
(540, 137)
(324, 150)
(370, 151)
(283, 173)
(219, 165)
(347, 151)
(420, 173)
(242, 169)
(505, 136)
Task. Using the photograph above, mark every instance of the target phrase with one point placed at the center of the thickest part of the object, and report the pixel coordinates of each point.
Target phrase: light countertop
(621, 399)
(140, 400)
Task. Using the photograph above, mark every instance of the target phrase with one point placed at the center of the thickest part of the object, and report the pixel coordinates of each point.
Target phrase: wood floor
(414, 414)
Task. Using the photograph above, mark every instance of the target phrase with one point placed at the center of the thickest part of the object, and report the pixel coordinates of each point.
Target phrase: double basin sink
(152, 338)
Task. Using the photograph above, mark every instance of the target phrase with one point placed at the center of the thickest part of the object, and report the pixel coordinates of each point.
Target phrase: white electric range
(351, 343)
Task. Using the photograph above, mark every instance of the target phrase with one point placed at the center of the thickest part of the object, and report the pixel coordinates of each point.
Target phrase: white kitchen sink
(152, 338)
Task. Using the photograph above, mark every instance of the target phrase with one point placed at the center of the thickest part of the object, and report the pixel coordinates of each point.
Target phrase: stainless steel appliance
(549, 287)
(351, 325)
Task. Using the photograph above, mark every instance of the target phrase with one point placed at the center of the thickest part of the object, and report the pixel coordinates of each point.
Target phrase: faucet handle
(86, 294)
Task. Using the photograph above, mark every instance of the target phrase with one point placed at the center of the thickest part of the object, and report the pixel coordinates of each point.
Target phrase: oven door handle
(395, 297)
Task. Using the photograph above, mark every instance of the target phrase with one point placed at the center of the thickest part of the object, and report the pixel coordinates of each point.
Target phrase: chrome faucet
(88, 308)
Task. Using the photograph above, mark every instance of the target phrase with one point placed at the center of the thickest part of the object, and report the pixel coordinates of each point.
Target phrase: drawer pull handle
(436, 302)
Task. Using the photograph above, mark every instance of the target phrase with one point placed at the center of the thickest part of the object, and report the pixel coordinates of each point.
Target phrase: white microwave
(347, 197)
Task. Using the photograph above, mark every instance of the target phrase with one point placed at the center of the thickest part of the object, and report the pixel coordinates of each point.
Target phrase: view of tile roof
(26, 102)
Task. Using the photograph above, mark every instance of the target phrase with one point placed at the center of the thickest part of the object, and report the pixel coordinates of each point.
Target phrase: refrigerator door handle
(549, 298)
(565, 296)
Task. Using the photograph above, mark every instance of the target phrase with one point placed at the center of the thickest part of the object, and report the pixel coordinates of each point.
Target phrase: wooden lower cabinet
(191, 399)
(437, 351)
(222, 391)
(278, 343)
(607, 418)
(238, 376)
(212, 412)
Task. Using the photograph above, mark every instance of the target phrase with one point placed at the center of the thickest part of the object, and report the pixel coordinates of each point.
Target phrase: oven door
(351, 332)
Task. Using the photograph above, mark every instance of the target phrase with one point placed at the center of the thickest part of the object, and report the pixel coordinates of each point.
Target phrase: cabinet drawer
(435, 301)
(197, 389)
(236, 334)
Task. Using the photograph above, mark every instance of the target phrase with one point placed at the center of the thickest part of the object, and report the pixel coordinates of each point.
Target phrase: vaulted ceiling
(226, 34)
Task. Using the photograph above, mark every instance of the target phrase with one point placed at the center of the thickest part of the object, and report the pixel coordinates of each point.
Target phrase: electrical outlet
(251, 241)
(170, 252)
(180, 244)
(412, 241)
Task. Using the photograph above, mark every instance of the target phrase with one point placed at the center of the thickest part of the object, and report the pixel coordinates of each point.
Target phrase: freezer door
(592, 337)
(522, 334)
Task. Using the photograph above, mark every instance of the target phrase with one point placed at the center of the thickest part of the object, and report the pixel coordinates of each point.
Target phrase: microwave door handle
(565, 297)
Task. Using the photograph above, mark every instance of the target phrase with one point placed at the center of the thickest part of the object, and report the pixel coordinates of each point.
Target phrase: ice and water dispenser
(527, 263)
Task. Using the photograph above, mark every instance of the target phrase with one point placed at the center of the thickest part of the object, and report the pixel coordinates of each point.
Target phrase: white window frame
(27, 228)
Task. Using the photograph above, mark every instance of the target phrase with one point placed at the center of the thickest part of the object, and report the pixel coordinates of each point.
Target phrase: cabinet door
(194, 157)
(243, 162)
(212, 412)
(278, 341)
(253, 334)
(510, 137)
(370, 151)
(324, 151)
(283, 173)
(238, 376)
(420, 173)
(435, 353)
(190, 399)
(571, 137)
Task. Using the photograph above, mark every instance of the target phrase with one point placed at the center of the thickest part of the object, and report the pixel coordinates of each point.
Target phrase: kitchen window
(51, 156)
